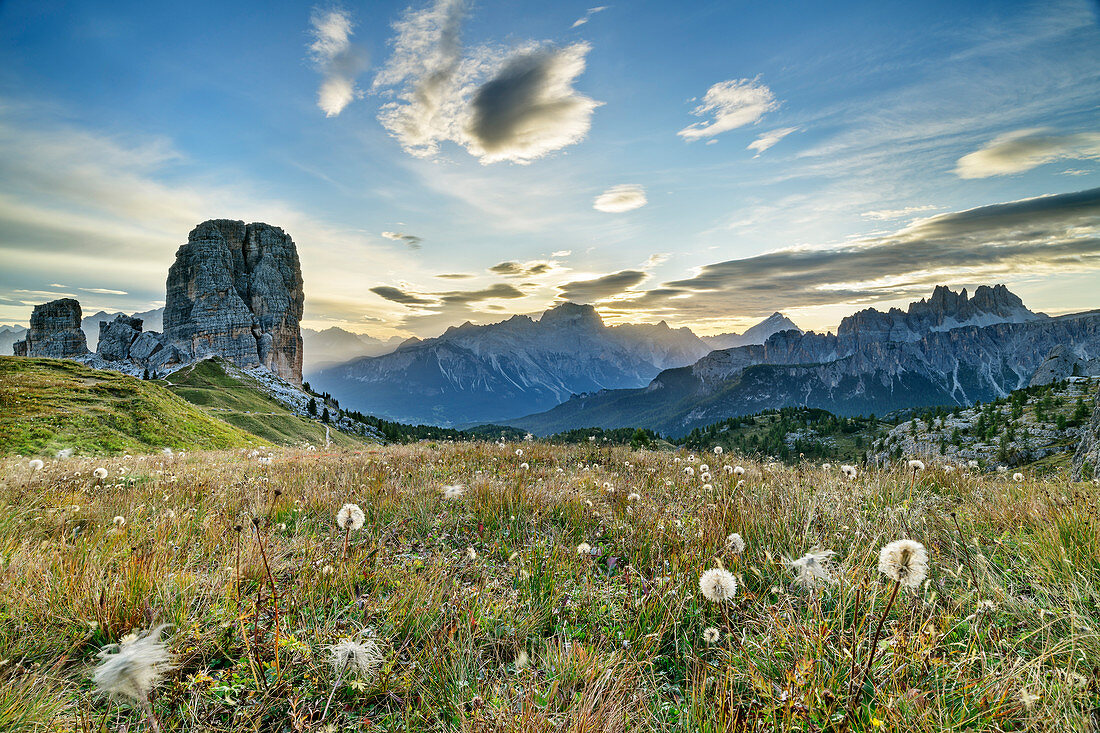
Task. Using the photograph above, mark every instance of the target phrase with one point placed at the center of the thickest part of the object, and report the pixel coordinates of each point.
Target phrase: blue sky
(704, 165)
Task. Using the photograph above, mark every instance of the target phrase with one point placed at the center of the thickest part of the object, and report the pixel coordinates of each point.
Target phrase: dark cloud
(399, 296)
(1019, 238)
(521, 269)
(589, 291)
(499, 290)
(455, 276)
(530, 108)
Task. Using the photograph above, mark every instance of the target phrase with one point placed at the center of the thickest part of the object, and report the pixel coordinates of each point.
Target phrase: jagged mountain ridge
(861, 370)
(475, 373)
(334, 345)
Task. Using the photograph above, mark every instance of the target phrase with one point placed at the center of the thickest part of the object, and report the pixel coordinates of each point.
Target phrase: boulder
(235, 291)
(144, 346)
(54, 332)
(117, 337)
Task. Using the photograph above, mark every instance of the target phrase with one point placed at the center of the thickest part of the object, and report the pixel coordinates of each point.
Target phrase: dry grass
(529, 635)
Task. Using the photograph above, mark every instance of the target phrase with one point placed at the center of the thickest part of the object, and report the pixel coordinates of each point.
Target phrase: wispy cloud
(588, 16)
(617, 199)
(339, 61)
(601, 288)
(1019, 239)
(1022, 150)
(411, 240)
(728, 105)
(768, 139)
(104, 291)
(522, 269)
(893, 214)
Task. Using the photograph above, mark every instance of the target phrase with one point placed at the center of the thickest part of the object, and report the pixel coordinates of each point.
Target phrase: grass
(50, 404)
(236, 399)
(528, 635)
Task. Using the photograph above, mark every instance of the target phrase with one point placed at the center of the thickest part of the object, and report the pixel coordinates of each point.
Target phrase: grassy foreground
(488, 619)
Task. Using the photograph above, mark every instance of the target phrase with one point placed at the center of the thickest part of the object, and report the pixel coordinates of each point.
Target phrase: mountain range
(479, 373)
(949, 349)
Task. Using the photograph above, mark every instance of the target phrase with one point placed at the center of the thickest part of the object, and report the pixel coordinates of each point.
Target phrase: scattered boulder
(117, 337)
(55, 331)
(235, 290)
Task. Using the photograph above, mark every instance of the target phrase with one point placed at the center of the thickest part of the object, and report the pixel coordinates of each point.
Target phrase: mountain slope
(47, 405)
(474, 374)
(335, 345)
(853, 373)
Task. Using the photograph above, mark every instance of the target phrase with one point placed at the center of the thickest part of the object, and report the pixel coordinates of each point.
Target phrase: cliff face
(235, 290)
(1086, 461)
(54, 332)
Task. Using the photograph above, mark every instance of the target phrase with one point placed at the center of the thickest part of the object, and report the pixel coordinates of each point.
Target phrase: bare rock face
(1086, 461)
(235, 291)
(117, 336)
(54, 332)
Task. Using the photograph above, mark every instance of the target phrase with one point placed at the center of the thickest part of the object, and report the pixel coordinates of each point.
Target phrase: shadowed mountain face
(484, 373)
(876, 363)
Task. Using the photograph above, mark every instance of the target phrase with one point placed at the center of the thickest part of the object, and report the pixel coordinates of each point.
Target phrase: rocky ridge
(54, 332)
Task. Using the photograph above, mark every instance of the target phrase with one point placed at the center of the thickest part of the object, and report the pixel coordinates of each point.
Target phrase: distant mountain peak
(585, 315)
(758, 334)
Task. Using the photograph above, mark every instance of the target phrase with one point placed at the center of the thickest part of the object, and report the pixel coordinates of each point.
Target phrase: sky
(701, 163)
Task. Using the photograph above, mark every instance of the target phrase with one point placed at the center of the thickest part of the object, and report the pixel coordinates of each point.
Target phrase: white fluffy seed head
(735, 543)
(812, 568)
(916, 465)
(711, 635)
(36, 464)
(350, 517)
(718, 585)
(134, 667)
(357, 658)
(100, 473)
(584, 549)
(905, 561)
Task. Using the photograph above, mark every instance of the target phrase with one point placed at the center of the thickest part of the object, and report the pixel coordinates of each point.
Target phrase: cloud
(411, 240)
(729, 105)
(104, 291)
(399, 296)
(454, 276)
(617, 199)
(522, 269)
(562, 253)
(529, 108)
(1019, 239)
(517, 106)
(601, 288)
(768, 139)
(1022, 150)
(890, 214)
(339, 61)
(588, 16)
(465, 297)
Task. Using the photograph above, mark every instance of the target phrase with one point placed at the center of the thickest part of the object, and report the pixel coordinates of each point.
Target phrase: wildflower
(119, 521)
(166, 451)
(361, 658)
(727, 468)
(849, 471)
(689, 471)
(972, 463)
(584, 549)
(327, 570)
(522, 660)
(916, 465)
(133, 667)
(350, 517)
(1017, 477)
(704, 468)
(718, 585)
(632, 496)
(1028, 698)
(454, 491)
(524, 466)
(717, 450)
(471, 554)
(64, 453)
(813, 567)
(100, 473)
(826, 466)
(36, 464)
(519, 451)
(735, 543)
(711, 635)
(904, 561)
(738, 471)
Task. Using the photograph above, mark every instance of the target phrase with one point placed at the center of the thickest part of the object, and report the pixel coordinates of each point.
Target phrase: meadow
(531, 587)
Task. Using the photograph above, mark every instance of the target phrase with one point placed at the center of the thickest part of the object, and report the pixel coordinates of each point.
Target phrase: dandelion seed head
(905, 561)
(350, 517)
(735, 543)
(916, 465)
(471, 553)
(119, 521)
(718, 585)
(1017, 477)
(359, 658)
(100, 473)
(133, 667)
(584, 549)
(453, 491)
(36, 464)
(711, 635)
(812, 568)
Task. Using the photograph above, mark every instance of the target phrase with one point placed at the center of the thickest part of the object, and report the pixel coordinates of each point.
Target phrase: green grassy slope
(238, 400)
(50, 404)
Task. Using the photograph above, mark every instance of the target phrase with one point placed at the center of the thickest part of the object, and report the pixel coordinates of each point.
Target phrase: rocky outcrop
(1062, 363)
(117, 336)
(235, 290)
(54, 332)
(1086, 461)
